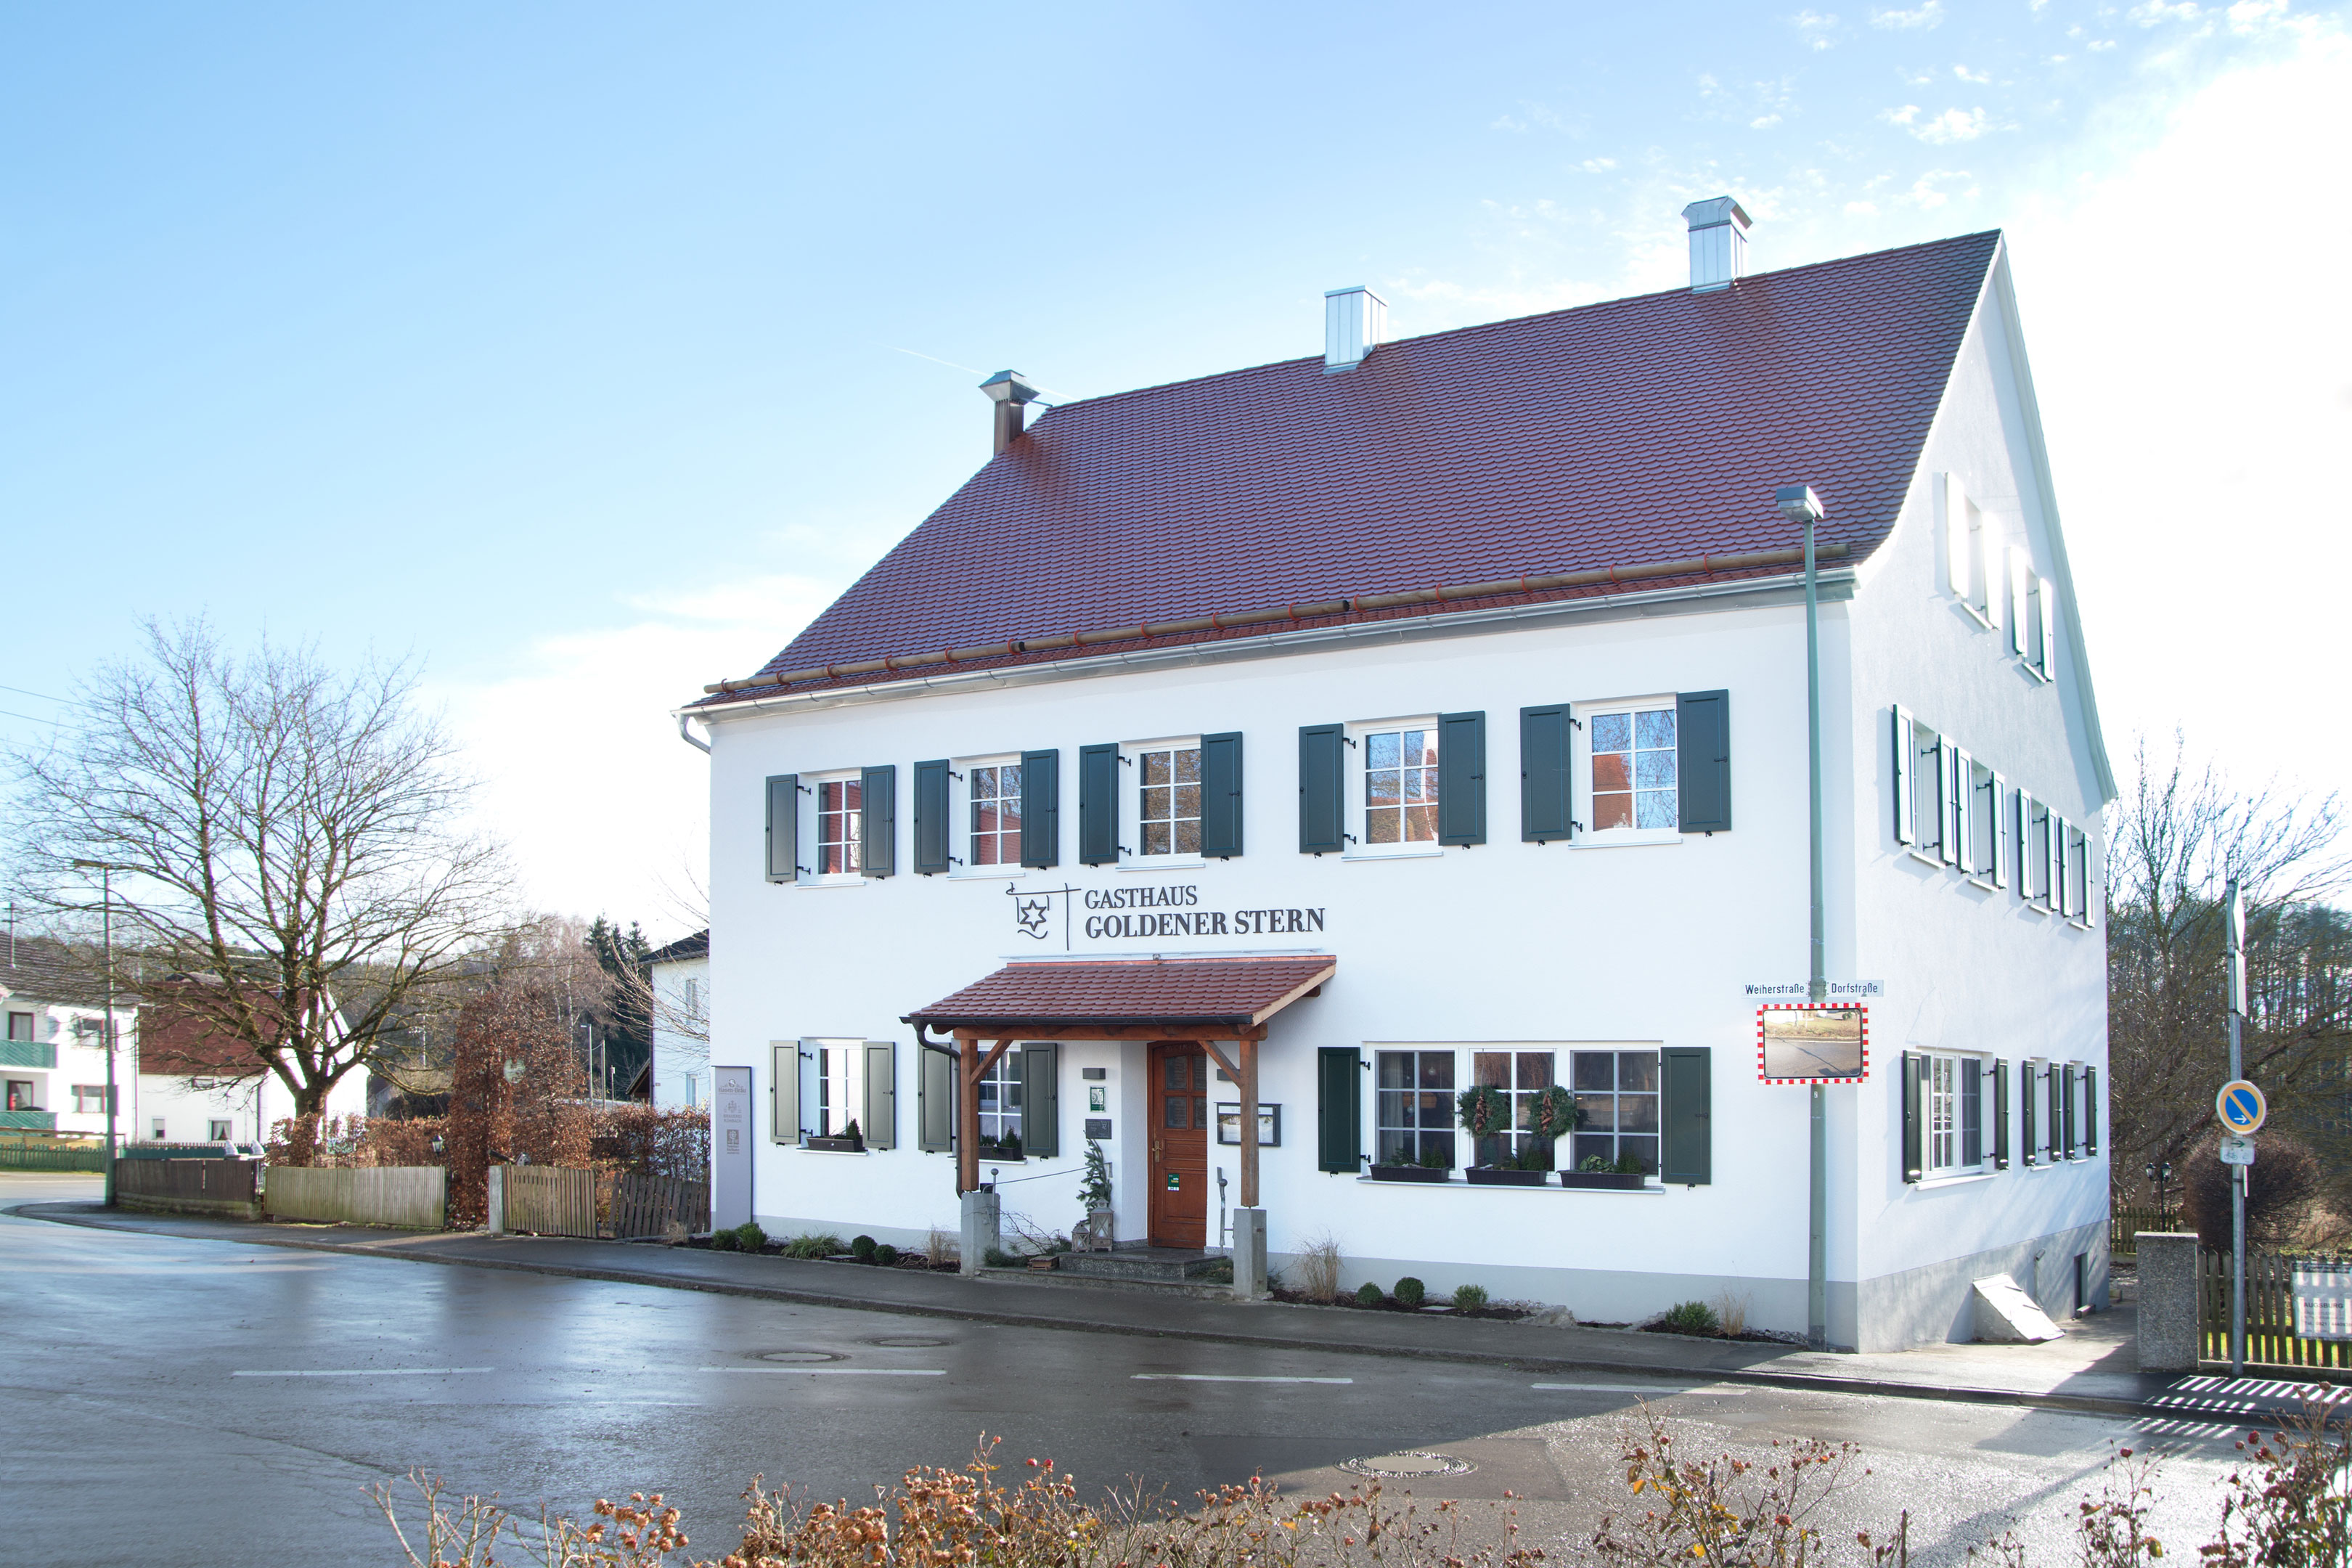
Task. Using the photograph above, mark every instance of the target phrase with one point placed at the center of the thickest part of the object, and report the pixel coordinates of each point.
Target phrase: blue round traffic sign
(2239, 1106)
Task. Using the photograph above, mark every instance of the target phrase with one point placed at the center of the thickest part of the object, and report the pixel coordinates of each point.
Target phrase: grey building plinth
(2169, 1336)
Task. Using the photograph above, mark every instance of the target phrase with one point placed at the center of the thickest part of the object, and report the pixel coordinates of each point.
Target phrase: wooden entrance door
(1180, 1145)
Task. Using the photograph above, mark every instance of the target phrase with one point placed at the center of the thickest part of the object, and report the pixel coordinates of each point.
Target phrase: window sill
(990, 874)
(1923, 858)
(1166, 863)
(812, 883)
(1959, 1179)
(1455, 1185)
(1627, 840)
(840, 1153)
(1984, 885)
(1416, 852)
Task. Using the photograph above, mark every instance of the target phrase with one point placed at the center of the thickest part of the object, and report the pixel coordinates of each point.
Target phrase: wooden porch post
(966, 1113)
(1248, 1076)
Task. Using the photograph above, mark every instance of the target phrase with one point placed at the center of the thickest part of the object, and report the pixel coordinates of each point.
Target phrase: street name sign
(2240, 1107)
(2237, 1150)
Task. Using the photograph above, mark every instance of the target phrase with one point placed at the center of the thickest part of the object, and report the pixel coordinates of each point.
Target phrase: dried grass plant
(942, 1247)
(1316, 1268)
(1731, 1312)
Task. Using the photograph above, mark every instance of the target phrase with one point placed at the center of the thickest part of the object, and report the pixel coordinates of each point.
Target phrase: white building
(53, 1061)
(1434, 714)
(196, 1086)
(679, 976)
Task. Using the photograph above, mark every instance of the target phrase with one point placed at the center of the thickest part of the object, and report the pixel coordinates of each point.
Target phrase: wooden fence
(2269, 1314)
(548, 1200)
(2123, 1224)
(411, 1197)
(224, 1180)
(645, 1205)
(19, 1154)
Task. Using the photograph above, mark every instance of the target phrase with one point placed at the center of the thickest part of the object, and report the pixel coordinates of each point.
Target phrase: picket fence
(553, 1200)
(19, 1154)
(2124, 1223)
(2270, 1337)
(410, 1197)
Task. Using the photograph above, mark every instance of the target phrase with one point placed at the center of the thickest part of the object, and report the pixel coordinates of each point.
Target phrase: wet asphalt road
(214, 1403)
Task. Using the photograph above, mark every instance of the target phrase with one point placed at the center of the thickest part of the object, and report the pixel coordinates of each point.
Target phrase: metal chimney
(1355, 322)
(1011, 392)
(1718, 244)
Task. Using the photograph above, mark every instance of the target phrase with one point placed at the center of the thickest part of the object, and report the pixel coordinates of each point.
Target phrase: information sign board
(2237, 1150)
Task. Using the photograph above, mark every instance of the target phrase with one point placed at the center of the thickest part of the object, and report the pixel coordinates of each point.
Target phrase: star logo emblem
(1031, 913)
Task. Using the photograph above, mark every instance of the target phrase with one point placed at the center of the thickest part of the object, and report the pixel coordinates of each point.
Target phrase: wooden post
(967, 1114)
(1248, 1076)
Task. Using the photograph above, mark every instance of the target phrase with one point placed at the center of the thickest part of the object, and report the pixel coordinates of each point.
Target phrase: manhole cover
(909, 1341)
(1404, 1467)
(798, 1355)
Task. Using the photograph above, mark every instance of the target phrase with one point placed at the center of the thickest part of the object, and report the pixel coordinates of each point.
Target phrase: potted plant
(1094, 1196)
(1597, 1172)
(1435, 1164)
(1485, 1111)
(848, 1140)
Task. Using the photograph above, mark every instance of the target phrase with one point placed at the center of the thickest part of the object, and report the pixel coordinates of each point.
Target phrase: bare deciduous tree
(288, 838)
(2181, 835)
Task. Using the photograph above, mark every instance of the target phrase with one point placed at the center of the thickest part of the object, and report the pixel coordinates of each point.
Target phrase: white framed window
(1628, 759)
(90, 1100)
(1983, 861)
(834, 826)
(2020, 601)
(1952, 1103)
(219, 1131)
(991, 815)
(1000, 1107)
(1520, 1075)
(691, 995)
(1924, 806)
(1617, 1092)
(1162, 787)
(24, 1094)
(1960, 811)
(2033, 602)
(155, 1130)
(833, 1087)
(1413, 1108)
(1392, 784)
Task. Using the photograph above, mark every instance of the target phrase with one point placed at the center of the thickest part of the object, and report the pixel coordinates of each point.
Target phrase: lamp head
(1798, 504)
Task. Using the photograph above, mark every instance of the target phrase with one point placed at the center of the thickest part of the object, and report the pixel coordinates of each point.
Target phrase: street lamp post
(1798, 504)
(106, 871)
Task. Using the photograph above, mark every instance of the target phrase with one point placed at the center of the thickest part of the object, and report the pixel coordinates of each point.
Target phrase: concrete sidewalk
(2093, 1369)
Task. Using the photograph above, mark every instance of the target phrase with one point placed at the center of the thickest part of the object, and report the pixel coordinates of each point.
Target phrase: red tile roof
(1646, 429)
(1175, 992)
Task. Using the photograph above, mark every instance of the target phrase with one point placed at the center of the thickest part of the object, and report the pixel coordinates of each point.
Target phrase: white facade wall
(680, 1033)
(74, 1038)
(183, 1109)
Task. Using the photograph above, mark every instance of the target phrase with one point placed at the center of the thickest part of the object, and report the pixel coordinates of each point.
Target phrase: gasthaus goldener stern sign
(1147, 914)
(1812, 1042)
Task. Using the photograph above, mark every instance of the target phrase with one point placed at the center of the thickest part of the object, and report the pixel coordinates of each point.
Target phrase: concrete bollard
(498, 1203)
(1249, 1255)
(982, 1217)
(2170, 1337)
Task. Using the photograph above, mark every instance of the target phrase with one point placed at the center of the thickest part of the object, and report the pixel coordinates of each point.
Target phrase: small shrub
(1410, 1291)
(750, 1237)
(815, 1244)
(997, 1257)
(941, 1245)
(1467, 1297)
(862, 1248)
(1316, 1269)
(886, 1255)
(1692, 1318)
(1438, 1156)
(1631, 1164)
(1369, 1295)
(722, 1241)
(1596, 1165)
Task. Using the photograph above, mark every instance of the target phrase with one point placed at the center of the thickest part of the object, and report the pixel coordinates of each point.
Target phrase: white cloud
(1863, 209)
(1815, 28)
(2155, 13)
(1928, 15)
(1906, 115)
(1952, 125)
(1598, 165)
(1764, 122)
(1964, 74)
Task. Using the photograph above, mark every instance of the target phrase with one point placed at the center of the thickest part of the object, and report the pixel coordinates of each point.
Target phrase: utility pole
(2234, 916)
(106, 871)
(1799, 504)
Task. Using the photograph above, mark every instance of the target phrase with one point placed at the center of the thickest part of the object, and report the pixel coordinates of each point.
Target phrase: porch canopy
(1210, 1000)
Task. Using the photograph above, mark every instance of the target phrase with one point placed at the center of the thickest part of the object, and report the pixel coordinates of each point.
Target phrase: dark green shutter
(2091, 1109)
(1703, 759)
(784, 828)
(2066, 1109)
(1462, 778)
(1338, 1109)
(1971, 1112)
(1041, 808)
(2057, 1115)
(1041, 1101)
(1322, 788)
(1098, 805)
(877, 801)
(935, 1090)
(1544, 802)
(2027, 1131)
(931, 818)
(2001, 1116)
(1687, 1152)
(1915, 1155)
(1220, 796)
(1905, 832)
(881, 1123)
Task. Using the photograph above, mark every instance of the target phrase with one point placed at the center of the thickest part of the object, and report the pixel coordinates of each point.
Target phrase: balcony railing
(30, 1120)
(28, 1054)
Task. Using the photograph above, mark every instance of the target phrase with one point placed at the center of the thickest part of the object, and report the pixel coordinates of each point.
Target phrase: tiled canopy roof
(1636, 431)
(1171, 992)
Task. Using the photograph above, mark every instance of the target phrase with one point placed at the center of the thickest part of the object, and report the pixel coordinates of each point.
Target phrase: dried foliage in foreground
(1723, 1509)
(937, 1517)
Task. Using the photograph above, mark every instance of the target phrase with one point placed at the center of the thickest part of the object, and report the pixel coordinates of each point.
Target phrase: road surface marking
(1224, 1377)
(1639, 1388)
(835, 1370)
(379, 1371)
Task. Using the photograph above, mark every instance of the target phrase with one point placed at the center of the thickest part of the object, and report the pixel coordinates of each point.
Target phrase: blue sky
(584, 351)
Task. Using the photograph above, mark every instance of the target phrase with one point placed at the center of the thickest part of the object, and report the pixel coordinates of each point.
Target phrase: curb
(1816, 1383)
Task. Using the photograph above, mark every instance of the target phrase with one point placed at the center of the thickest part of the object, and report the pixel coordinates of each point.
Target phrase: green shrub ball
(1410, 1292)
(1368, 1295)
(886, 1255)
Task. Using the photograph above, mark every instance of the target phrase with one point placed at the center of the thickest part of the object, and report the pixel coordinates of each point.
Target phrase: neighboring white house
(53, 1060)
(1432, 714)
(197, 1087)
(679, 978)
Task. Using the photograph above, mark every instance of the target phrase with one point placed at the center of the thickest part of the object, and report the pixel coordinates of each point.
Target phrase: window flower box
(1605, 1181)
(834, 1144)
(1506, 1176)
(1410, 1173)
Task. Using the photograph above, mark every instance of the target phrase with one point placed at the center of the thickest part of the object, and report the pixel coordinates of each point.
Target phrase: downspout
(688, 736)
